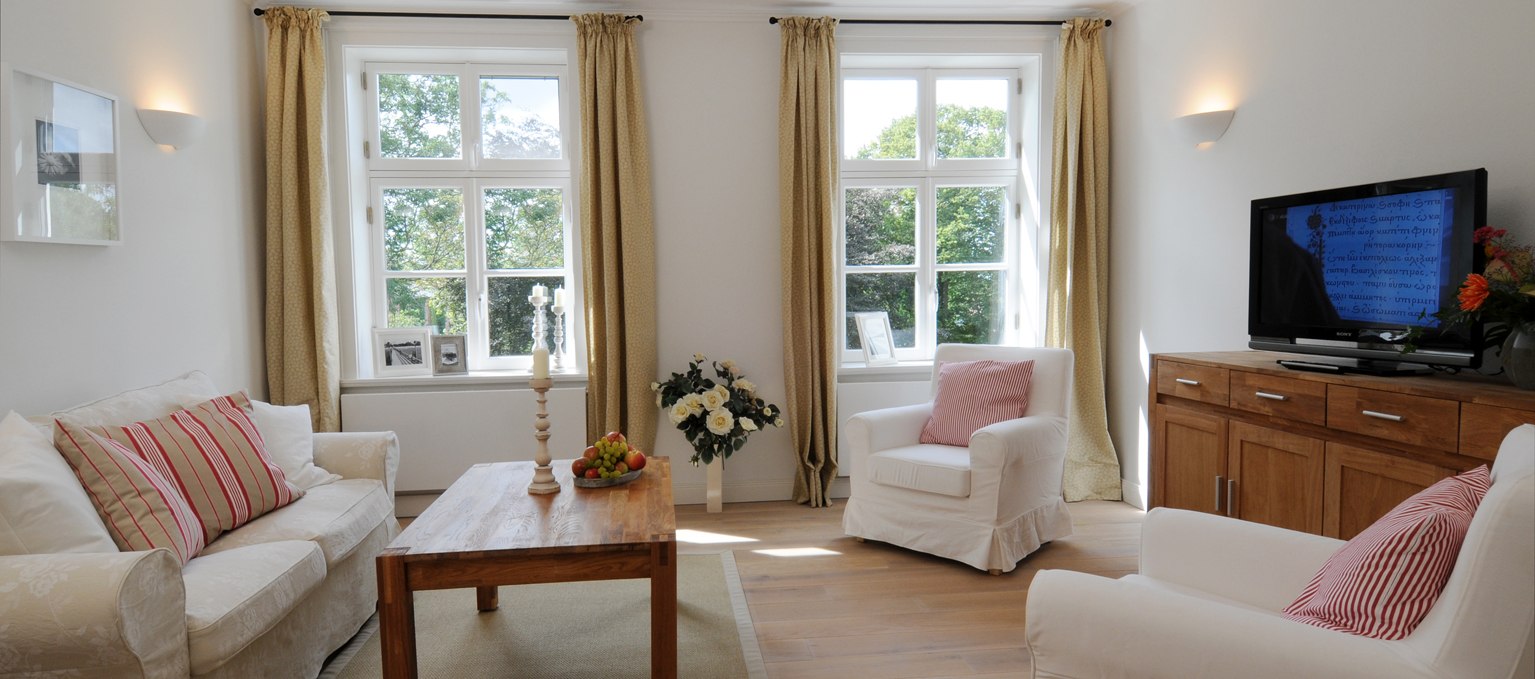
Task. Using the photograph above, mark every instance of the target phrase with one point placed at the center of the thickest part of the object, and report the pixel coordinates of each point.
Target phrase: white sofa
(272, 598)
(1208, 597)
(988, 505)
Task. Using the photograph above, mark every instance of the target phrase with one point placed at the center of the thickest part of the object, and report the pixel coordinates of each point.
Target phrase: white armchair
(988, 505)
(1208, 598)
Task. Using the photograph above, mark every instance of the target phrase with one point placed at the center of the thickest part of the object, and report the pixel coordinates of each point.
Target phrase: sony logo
(1344, 333)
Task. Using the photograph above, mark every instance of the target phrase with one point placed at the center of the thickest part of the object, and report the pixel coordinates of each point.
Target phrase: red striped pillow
(1382, 583)
(215, 457)
(974, 394)
(141, 508)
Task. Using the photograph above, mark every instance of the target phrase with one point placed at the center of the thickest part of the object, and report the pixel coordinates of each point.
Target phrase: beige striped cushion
(976, 394)
(142, 510)
(214, 455)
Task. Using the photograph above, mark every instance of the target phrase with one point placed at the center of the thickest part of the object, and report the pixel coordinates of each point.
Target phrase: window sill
(480, 380)
(905, 371)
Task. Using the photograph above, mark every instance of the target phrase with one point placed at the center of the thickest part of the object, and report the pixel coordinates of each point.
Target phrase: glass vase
(1518, 356)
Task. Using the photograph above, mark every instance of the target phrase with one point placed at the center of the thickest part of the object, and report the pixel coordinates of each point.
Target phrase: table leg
(663, 610)
(487, 598)
(396, 619)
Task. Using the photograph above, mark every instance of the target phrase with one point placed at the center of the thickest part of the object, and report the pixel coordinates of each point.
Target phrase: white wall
(711, 99)
(183, 290)
(1327, 94)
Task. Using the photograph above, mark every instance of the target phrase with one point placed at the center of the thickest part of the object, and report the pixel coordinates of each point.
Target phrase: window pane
(970, 224)
(418, 116)
(892, 293)
(423, 229)
(972, 118)
(520, 117)
(881, 225)
(879, 119)
(970, 307)
(437, 302)
(511, 316)
(524, 229)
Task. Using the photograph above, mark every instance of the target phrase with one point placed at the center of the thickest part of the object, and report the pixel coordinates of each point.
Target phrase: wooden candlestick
(543, 482)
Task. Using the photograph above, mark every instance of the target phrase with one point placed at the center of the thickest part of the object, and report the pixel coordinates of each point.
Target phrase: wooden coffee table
(487, 531)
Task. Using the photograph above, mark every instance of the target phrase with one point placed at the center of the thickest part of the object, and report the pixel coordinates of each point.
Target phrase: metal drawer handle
(1219, 481)
(1271, 397)
(1382, 416)
(1185, 380)
(1231, 497)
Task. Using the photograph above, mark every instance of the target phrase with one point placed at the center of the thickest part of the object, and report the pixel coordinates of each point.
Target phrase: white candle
(540, 291)
(540, 363)
(559, 297)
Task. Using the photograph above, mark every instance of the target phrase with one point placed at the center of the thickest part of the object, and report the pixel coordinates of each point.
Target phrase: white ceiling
(892, 9)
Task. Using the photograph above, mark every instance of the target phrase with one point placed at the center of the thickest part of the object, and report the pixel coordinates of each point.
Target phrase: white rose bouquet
(715, 414)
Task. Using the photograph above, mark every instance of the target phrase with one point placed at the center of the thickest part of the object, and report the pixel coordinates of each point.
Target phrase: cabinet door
(1277, 478)
(1362, 485)
(1189, 462)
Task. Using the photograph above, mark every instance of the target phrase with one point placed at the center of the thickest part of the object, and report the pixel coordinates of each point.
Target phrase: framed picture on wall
(61, 163)
(448, 355)
(875, 337)
(401, 351)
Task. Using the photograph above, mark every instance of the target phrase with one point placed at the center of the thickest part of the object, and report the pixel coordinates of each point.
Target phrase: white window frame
(943, 55)
(361, 270)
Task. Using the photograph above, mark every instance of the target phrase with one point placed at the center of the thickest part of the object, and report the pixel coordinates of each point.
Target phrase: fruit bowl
(604, 483)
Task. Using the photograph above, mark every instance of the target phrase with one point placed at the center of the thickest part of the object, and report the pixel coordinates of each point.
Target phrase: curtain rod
(954, 22)
(439, 15)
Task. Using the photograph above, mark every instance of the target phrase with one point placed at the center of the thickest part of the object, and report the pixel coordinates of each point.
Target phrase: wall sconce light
(1203, 128)
(171, 128)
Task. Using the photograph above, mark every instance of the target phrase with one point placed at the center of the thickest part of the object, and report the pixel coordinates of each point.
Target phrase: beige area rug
(585, 629)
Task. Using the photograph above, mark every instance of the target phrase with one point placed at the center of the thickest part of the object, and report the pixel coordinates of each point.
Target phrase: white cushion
(145, 403)
(337, 516)
(289, 437)
(43, 508)
(931, 468)
(235, 596)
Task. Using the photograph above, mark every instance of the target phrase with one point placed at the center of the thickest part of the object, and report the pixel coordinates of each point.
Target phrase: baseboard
(1133, 493)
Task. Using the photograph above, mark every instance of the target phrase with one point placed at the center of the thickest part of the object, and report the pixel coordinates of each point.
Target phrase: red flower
(1486, 234)
(1473, 292)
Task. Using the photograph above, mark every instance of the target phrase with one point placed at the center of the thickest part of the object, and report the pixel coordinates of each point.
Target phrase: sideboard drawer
(1418, 420)
(1197, 382)
(1482, 428)
(1285, 397)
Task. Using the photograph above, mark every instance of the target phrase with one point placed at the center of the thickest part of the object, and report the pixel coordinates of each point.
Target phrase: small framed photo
(60, 167)
(448, 355)
(875, 337)
(401, 351)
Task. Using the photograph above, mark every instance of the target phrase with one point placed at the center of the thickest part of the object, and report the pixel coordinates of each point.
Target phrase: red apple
(593, 473)
(590, 454)
(578, 467)
(614, 437)
(635, 459)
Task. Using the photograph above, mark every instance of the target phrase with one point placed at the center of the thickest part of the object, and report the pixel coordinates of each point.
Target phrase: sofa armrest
(1260, 565)
(1025, 456)
(101, 615)
(359, 455)
(871, 431)
(1080, 625)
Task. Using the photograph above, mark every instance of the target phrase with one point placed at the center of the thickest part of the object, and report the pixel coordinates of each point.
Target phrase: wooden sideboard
(1234, 433)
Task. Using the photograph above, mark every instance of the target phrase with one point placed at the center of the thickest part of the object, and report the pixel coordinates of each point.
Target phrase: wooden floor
(833, 607)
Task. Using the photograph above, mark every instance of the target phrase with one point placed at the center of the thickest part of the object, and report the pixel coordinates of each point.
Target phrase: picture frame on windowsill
(875, 337)
(448, 355)
(399, 352)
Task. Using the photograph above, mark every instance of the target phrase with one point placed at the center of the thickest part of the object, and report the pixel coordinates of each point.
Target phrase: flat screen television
(1344, 273)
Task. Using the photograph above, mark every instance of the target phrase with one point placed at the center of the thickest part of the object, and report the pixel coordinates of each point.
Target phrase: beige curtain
(301, 337)
(807, 178)
(617, 238)
(1078, 305)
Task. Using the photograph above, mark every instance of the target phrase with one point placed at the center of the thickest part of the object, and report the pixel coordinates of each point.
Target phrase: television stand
(1341, 366)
